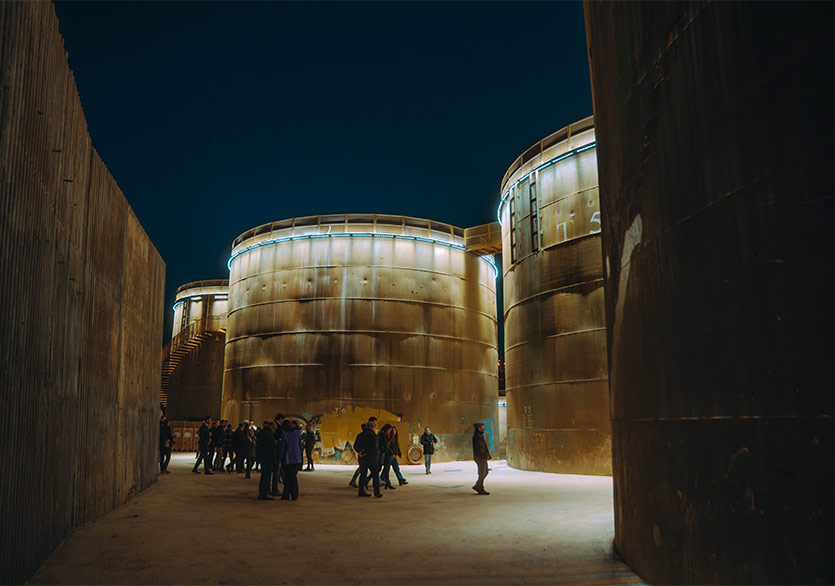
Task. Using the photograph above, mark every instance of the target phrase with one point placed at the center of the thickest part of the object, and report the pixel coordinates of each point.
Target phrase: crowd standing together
(277, 448)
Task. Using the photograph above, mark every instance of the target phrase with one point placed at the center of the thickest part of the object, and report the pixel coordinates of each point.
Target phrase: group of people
(378, 453)
(277, 447)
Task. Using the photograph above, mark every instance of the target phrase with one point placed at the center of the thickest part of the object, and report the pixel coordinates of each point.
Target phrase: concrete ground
(533, 528)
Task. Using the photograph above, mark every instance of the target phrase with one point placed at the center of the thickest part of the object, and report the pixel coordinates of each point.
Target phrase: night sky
(217, 117)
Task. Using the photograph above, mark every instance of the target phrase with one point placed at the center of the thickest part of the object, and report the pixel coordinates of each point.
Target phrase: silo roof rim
(235, 254)
(352, 218)
(547, 163)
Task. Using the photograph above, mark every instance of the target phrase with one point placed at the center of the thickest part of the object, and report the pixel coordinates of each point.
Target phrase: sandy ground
(533, 528)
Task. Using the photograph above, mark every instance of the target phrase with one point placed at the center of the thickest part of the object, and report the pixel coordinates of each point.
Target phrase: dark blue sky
(217, 117)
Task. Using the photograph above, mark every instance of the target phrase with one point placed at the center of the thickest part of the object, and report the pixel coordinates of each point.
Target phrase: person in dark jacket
(395, 449)
(366, 448)
(249, 447)
(229, 447)
(428, 441)
(217, 443)
(291, 459)
(356, 475)
(309, 439)
(481, 453)
(166, 440)
(204, 441)
(386, 452)
(265, 451)
(239, 446)
(278, 473)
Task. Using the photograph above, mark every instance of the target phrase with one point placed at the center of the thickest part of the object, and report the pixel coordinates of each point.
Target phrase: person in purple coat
(291, 458)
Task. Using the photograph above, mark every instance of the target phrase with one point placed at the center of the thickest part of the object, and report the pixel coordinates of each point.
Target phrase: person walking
(395, 450)
(356, 475)
(291, 460)
(366, 448)
(265, 451)
(386, 452)
(204, 441)
(310, 438)
(166, 441)
(481, 453)
(428, 441)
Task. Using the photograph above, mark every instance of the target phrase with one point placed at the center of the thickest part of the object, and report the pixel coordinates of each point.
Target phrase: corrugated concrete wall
(715, 149)
(81, 321)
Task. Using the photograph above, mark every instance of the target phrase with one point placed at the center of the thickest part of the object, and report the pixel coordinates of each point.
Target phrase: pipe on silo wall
(555, 335)
(336, 318)
(715, 148)
(82, 321)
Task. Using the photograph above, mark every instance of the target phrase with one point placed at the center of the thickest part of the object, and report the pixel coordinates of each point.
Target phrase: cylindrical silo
(555, 333)
(192, 377)
(338, 317)
(715, 129)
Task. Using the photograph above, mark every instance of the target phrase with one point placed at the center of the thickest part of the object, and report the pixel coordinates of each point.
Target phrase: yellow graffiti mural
(341, 427)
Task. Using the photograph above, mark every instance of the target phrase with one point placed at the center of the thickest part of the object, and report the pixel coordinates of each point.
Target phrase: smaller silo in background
(192, 370)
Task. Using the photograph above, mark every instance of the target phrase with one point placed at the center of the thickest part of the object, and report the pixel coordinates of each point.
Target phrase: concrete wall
(714, 124)
(81, 321)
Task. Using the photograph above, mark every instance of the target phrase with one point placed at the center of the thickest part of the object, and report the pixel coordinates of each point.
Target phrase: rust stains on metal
(555, 337)
(362, 311)
(192, 366)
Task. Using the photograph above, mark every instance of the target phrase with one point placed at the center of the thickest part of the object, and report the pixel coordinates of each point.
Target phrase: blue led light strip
(355, 235)
(220, 296)
(563, 156)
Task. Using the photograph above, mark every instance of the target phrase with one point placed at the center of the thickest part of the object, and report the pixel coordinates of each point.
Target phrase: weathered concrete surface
(338, 312)
(555, 335)
(534, 528)
(81, 322)
(714, 125)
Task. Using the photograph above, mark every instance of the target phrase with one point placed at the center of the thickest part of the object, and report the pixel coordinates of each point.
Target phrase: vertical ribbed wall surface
(555, 335)
(715, 147)
(81, 322)
(341, 313)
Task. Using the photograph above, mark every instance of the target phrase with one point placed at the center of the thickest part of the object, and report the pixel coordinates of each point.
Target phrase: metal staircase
(181, 345)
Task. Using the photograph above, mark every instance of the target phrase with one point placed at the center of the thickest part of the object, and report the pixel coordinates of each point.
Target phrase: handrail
(194, 329)
(207, 283)
(546, 143)
(387, 223)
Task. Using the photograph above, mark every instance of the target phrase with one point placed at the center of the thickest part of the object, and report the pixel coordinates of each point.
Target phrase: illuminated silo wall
(340, 317)
(201, 300)
(715, 124)
(194, 368)
(555, 335)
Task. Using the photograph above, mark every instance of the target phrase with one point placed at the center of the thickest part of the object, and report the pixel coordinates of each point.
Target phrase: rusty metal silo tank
(555, 334)
(338, 317)
(192, 373)
(715, 128)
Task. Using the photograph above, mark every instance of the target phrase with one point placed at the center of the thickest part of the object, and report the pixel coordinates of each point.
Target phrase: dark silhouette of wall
(196, 384)
(81, 322)
(715, 148)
